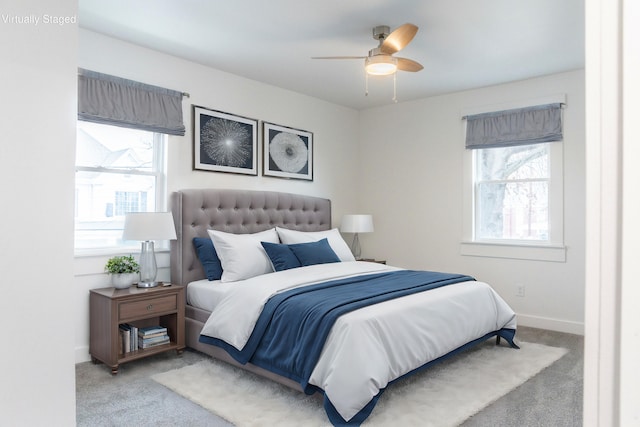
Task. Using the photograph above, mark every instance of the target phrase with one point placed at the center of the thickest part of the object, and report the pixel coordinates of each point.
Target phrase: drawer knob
(150, 307)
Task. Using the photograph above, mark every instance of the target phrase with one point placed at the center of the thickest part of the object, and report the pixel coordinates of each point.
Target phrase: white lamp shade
(145, 226)
(356, 224)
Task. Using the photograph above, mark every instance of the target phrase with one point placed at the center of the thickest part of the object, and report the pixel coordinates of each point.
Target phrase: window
(118, 170)
(512, 193)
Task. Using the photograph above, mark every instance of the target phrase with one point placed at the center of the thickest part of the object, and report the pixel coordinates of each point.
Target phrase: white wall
(630, 292)
(612, 339)
(334, 129)
(37, 117)
(409, 151)
(411, 158)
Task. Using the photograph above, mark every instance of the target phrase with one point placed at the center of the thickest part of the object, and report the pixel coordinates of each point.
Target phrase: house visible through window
(118, 170)
(130, 201)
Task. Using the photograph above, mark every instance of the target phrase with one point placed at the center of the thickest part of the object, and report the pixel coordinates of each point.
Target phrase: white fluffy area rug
(444, 395)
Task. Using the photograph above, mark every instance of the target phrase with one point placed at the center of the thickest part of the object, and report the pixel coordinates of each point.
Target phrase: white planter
(124, 280)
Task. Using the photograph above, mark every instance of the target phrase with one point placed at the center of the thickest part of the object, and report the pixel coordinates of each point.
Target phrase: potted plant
(124, 271)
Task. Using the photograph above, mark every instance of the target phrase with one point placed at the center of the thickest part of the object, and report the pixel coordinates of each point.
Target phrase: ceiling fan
(380, 61)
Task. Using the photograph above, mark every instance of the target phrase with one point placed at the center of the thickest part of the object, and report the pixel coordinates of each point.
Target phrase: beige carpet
(443, 395)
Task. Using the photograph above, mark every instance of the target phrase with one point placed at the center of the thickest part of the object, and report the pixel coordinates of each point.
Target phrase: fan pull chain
(395, 99)
(366, 83)
(366, 86)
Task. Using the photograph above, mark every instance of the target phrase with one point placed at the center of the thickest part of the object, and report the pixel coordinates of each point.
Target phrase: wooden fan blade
(398, 39)
(405, 64)
(338, 57)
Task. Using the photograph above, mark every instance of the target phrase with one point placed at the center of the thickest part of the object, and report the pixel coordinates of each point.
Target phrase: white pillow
(334, 237)
(241, 255)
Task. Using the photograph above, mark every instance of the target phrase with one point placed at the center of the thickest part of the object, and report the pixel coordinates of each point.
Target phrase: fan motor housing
(381, 32)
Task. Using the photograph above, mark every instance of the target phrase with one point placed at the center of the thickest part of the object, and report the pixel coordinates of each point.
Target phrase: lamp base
(148, 284)
(148, 266)
(355, 246)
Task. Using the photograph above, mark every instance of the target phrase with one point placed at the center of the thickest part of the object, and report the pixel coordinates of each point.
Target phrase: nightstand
(373, 260)
(111, 307)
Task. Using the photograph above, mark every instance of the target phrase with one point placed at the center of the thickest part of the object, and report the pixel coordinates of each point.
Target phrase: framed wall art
(224, 142)
(287, 152)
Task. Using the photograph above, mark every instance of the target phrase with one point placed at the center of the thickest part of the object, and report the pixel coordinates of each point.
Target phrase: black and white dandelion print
(226, 143)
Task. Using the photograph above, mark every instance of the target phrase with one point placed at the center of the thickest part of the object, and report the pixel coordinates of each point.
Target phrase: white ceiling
(462, 44)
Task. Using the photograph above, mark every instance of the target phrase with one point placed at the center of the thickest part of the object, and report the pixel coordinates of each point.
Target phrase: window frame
(159, 172)
(550, 250)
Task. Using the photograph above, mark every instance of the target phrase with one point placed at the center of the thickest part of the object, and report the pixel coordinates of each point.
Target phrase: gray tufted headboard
(236, 211)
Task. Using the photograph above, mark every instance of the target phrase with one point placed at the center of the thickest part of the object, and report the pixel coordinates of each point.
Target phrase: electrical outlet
(520, 290)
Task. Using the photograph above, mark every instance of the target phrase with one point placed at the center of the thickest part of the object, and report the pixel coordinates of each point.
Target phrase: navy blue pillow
(208, 257)
(281, 256)
(319, 252)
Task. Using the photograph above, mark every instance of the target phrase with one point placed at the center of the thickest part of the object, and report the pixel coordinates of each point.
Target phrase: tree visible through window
(118, 170)
(512, 193)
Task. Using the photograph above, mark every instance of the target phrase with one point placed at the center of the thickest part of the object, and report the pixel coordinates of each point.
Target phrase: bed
(355, 345)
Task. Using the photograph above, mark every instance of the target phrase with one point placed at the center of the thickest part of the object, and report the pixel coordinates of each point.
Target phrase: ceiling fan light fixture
(380, 65)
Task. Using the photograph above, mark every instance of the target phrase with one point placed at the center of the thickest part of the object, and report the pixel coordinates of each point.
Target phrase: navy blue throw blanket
(293, 326)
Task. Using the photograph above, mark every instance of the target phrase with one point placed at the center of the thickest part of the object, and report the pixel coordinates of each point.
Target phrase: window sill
(92, 261)
(501, 250)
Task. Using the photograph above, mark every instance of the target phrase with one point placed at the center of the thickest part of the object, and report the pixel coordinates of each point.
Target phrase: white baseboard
(558, 325)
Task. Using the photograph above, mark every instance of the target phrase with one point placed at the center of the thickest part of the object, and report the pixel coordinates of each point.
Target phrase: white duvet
(369, 347)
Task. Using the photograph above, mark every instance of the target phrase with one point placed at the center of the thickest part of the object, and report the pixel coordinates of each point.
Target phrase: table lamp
(356, 224)
(147, 227)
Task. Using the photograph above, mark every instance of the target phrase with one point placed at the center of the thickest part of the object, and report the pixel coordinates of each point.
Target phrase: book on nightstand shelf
(152, 336)
(152, 342)
(134, 334)
(129, 338)
(125, 338)
(151, 331)
(134, 338)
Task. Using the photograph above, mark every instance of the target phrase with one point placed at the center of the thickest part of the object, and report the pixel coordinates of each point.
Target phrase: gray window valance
(530, 125)
(116, 101)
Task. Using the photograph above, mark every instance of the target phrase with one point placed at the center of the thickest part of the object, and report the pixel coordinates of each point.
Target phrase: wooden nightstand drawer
(134, 309)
